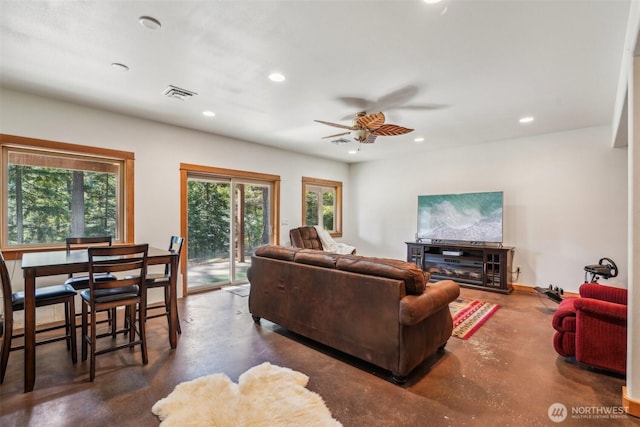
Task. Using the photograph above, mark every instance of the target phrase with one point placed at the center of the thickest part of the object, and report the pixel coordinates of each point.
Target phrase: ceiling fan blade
(355, 102)
(372, 121)
(389, 130)
(337, 134)
(397, 98)
(386, 102)
(370, 139)
(421, 107)
(337, 125)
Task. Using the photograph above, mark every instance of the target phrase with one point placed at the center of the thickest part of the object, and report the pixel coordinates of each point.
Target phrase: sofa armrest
(416, 308)
(607, 311)
(601, 334)
(604, 293)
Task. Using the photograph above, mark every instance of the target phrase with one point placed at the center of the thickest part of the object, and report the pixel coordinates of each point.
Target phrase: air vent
(176, 92)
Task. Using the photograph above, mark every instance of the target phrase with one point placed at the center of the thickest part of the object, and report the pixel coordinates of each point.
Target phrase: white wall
(565, 198)
(159, 149)
(565, 193)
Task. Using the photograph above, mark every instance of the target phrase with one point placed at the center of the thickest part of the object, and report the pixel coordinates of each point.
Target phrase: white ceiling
(459, 72)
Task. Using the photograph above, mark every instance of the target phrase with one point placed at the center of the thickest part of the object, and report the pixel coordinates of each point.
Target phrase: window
(322, 204)
(54, 190)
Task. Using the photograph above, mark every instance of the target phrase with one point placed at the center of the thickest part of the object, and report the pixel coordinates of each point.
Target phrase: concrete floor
(506, 374)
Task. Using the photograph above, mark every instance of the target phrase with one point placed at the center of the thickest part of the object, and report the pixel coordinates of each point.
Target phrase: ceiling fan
(366, 128)
(397, 100)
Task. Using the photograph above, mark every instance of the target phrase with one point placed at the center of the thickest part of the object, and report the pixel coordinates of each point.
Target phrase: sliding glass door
(208, 231)
(227, 218)
(252, 224)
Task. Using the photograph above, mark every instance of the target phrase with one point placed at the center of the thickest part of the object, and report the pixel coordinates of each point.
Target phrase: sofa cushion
(413, 277)
(277, 252)
(319, 258)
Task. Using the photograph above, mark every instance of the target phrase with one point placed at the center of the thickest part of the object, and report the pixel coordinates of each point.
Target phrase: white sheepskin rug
(266, 395)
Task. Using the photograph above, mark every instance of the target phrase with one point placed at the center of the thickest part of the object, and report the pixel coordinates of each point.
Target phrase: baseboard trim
(632, 407)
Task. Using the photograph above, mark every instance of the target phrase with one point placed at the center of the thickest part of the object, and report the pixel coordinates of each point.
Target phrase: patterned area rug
(469, 315)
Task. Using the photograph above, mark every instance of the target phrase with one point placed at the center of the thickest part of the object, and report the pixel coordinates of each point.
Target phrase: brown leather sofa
(379, 310)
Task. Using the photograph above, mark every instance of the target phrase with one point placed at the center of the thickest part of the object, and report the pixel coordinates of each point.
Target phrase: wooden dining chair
(45, 296)
(82, 281)
(130, 292)
(163, 280)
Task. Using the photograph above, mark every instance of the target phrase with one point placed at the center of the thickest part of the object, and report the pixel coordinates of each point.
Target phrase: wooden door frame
(187, 169)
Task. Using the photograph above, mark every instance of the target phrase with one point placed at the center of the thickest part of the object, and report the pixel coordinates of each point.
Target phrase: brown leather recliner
(305, 238)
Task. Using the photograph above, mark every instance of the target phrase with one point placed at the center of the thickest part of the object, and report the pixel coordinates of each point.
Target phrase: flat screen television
(464, 217)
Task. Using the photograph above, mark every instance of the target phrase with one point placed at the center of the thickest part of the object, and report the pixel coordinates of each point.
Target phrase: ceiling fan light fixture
(360, 134)
(367, 127)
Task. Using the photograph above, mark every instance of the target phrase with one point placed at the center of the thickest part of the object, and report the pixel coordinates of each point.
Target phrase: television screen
(466, 217)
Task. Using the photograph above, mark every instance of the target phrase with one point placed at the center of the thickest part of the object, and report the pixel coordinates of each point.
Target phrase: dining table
(51, 263)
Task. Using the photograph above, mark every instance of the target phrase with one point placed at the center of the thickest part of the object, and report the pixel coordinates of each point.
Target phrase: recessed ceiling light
(527, 119)
(119, 66)
(149, 22)
(353, 151)
(276, 77)
(432, 1)
(419, 139)
(208, 113)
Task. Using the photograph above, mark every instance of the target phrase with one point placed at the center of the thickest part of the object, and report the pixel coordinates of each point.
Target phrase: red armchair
(593, 328)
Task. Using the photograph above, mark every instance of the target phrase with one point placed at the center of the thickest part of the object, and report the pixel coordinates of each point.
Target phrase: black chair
(130, 292)
(49, 295)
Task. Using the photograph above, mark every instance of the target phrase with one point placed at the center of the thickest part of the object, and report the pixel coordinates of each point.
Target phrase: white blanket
(330, 245)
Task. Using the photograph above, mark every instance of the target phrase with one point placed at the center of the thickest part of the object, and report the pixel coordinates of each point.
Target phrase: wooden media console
(476, 266)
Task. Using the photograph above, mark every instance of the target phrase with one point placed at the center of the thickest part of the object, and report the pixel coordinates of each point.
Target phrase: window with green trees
(209, 219)
(52, 194)
(322, 204)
